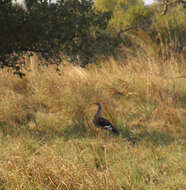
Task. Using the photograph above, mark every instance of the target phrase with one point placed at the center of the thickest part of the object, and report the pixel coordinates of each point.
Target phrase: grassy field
(48, 140)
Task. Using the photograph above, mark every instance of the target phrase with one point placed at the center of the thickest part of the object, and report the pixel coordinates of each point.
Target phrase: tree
(125, 13)
(65, 29)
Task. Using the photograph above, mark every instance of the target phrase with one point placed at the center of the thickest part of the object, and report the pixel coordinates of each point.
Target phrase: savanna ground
(48, 140)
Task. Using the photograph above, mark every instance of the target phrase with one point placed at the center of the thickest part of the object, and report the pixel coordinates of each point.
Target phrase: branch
(165, 7)
(127, 29)
(166, 3)
(141, 25)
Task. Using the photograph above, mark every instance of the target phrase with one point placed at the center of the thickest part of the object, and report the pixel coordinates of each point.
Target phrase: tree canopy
(83, 30)
(70, 29)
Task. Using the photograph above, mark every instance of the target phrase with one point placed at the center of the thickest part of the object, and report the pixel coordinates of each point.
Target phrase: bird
(101, 122)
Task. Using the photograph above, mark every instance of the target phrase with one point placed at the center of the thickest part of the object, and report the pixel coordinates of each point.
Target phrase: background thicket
(127, 56)
(86, 31)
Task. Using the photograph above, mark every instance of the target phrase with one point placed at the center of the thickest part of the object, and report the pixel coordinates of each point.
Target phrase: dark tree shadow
(1, 124)
(36, 133)
(155, 137)
(79, 130)
(75, 131)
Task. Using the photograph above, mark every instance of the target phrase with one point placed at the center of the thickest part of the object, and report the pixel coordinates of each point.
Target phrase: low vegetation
(48, 140)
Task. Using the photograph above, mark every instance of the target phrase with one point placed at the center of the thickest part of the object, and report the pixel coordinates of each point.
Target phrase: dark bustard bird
(102, 122)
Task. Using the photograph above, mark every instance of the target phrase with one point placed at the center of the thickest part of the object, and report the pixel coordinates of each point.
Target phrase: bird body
(101, 122)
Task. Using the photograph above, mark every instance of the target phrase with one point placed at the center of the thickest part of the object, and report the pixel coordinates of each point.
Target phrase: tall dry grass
(48, 140)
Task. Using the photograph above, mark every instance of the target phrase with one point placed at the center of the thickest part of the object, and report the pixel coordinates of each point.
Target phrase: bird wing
(105, 123)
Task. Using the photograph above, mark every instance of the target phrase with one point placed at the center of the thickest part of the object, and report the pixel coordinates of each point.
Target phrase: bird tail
(115, 131)
(111, 128)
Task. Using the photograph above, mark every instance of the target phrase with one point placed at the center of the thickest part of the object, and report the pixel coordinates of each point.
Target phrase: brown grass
(48, 140)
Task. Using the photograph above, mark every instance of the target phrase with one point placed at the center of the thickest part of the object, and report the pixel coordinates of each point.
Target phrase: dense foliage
(83, 31)
(69, 29)
(159, 27)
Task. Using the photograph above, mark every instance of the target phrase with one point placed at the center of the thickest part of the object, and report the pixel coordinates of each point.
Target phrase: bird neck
(98, 114)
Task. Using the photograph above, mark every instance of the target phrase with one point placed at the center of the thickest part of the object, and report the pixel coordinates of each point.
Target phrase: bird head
(98, 104)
